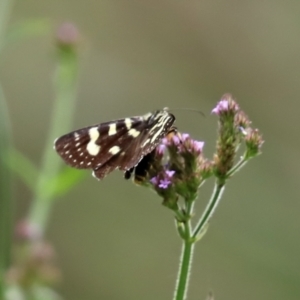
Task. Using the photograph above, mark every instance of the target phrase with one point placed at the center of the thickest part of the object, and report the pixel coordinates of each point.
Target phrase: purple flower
(164, 183)
(170, 173)
(185, 136)
(67, 34)
(154, 180)
(176, 140)
(165, 141)
(160, 149)
(198, 146)
(226, 104)
(163, 180)
(221, 107)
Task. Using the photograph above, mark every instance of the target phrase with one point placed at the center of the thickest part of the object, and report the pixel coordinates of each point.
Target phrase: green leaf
(27, 29)
(23, 167)
(64, 182)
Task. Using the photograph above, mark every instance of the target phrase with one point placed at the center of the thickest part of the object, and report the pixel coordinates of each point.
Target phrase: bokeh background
(114, 240)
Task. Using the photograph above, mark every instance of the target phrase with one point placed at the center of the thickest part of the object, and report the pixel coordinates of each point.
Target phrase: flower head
(221, 106)
(234, 128)
(179, 172)
(253, 142)
(67, 35)
(170, 173)
(161, 149)
(225, 106)
(164, 183)
(163, 180)
(177, 167)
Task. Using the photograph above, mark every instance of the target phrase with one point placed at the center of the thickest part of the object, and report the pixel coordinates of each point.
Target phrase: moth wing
(93, 146)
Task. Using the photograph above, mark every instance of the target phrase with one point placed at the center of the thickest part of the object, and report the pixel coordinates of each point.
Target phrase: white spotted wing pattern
(119, 144)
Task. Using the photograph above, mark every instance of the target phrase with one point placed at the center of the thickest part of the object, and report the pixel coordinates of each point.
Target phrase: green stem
(5, 194)
(63, 110)
(190, 239)
(237, 167)
(5, 175)
(210, 208)
(186, 255)
(184, 270)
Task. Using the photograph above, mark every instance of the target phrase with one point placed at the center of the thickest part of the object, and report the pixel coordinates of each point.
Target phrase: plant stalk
(184, 270)
(63, 111)
(210, 208)
(5, 174)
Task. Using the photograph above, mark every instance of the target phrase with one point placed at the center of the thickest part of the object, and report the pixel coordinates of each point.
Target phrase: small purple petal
(160, 149)
(198, 146)
(164, 183)
(165, 141)
(176, 140)
(221, 107)
(215, 111)
(185, 136)
(170, 173)
(154, 180)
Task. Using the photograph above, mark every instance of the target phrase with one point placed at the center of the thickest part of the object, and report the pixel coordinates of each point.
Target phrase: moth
(119, 144)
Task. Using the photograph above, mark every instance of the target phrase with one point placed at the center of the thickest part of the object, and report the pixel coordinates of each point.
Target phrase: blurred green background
(114, 240)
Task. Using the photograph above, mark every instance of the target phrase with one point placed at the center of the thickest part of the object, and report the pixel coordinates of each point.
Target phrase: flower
(154, 180)
(164, 183)
(225, 105)
(221, 106)
(170, 173)
(176, 140)
(163, 180)
(161, 149)
(185, 136)
(67, 34)
(253, 142)
(197, 146)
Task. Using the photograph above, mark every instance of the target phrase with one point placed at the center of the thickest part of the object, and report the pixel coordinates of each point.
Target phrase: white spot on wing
(114, 150)
(76, 136)
(147, 116)
(133, 132)
(112, 129)
(92, 148)
(128, 123)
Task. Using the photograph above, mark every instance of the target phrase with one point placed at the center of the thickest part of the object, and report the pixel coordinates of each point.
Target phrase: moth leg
(141, 170)
(128, 173)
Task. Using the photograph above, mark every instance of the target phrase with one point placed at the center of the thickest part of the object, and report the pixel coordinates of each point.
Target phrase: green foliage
(63, 182)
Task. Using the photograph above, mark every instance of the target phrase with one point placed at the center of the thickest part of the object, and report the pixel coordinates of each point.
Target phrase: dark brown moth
(119, 144)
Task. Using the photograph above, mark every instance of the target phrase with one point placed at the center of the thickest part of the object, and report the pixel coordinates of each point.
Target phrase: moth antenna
(186, 109)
